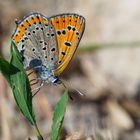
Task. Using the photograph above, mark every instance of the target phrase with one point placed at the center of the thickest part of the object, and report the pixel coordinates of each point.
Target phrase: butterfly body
(48, 76)
(45, 74)
(48, 44)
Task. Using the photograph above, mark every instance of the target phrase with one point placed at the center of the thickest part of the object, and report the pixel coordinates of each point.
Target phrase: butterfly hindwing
(69, 30)
(35, 39)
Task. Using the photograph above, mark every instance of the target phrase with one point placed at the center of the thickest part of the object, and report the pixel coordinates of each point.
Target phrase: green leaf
(40, 137)
(58, 116)
(21, 86)
(5, 69)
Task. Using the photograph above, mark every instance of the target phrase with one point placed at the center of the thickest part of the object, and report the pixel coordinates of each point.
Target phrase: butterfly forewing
(69, 30)
(35, 39)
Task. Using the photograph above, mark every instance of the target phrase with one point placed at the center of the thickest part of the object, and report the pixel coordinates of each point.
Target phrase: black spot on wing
(69, 28)
(45, 43)
(41, 41)
(63, 53)
(52, 34)
(44, 48)
(63, 32)
(58, 32)
(33, 49)
(68, 44)
(73, 29)
(77, 33)
(53, 49)
(23, 46)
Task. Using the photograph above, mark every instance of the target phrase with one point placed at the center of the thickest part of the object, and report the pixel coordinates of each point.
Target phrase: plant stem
(37, 131)
(93, 47)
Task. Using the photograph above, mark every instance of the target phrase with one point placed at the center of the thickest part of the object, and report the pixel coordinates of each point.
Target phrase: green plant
(18, 80)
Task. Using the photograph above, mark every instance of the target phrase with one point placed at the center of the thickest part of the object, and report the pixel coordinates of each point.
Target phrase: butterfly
(46, 44)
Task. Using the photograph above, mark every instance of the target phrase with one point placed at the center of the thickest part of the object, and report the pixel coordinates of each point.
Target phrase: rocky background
(106, 69)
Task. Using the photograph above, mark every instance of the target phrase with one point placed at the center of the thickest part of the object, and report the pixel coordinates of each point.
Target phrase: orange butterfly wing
(69, 30)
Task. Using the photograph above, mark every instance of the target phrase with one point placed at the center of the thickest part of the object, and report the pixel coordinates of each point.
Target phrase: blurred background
(106, 68)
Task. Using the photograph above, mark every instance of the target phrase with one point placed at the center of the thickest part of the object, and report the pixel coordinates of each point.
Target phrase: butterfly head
(56, 81)
(49, 78)
(47, 75)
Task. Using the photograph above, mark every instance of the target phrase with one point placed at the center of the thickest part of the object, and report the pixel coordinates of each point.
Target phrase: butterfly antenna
(80, 93)
(37, 89)
(66, 86)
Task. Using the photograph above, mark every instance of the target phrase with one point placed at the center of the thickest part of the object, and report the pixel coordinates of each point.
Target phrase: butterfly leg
(37, 89)
(30, 73)
(32, 82)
